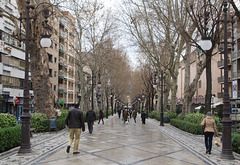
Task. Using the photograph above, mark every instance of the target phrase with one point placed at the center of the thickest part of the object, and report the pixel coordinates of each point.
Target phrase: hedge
(7, 120)
(10, 137)
(187, 126)
(236, 142)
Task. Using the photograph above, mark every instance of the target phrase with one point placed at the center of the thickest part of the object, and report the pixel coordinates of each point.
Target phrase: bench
(31, 131)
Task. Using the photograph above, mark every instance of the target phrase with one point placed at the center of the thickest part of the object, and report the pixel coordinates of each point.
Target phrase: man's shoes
(68, 149)
(209, 153)
(74, 153)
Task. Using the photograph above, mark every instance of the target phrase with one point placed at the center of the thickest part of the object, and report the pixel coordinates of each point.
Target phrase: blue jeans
(134, 119)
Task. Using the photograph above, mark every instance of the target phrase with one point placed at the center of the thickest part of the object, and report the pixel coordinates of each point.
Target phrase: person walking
(209, 129)
(125, 115)
(134, 115)
(119, 113)
(143, 116)
(74, 121)
(90, 116)
(100, 116)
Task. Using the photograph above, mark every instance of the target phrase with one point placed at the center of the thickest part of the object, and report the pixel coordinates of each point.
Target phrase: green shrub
(194, 117)
(169, 115)
(40, 122)
(60, 123)
(7, 120)
(236, 142)
(10, 137)
(64, 114)
(187, 126)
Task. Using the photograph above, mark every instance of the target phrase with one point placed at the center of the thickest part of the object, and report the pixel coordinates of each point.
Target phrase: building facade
(12, 64)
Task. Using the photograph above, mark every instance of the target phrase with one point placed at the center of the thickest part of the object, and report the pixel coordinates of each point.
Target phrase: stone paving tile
(116, 143)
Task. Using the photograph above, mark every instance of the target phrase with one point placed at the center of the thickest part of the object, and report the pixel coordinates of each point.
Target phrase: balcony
(220, 94)
(221, 79)
(234, 55)
(62, 87)
(221, 63)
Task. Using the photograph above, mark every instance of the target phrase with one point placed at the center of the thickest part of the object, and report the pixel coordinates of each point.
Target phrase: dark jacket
(143, 115)
(74, 119)
(134, 114)
(90, 116)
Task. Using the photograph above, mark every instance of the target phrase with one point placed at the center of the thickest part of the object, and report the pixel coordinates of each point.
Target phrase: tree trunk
(82, 86)
(43, 95)
(174, 96)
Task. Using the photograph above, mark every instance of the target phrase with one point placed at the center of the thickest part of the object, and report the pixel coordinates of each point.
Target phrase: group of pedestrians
(128, 113)
(75, 122)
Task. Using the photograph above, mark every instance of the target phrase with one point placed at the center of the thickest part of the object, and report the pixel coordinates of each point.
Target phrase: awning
(216, 104)
(212, 106)
(199, 107)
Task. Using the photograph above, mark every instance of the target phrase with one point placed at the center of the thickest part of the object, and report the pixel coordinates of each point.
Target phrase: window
(55, 59)
(199, 84)
(55, 46)
(22, 64)
(54, 87)
(50, 72)
(50, 58)
(55, 73)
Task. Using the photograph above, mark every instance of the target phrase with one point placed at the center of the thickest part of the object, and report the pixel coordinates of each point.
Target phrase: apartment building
(67, 92)
(199, 96)
(12, 64)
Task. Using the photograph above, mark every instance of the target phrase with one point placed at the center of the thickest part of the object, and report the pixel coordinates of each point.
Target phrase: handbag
(217, 141)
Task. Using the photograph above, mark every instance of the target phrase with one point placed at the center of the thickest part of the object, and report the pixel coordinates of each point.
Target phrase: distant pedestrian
(209, 129)
(143, 116)
(90, 116)
(75, 122)
(125, 115)
(100, 116)
(130, 113)
(134, 115)
(119, 113)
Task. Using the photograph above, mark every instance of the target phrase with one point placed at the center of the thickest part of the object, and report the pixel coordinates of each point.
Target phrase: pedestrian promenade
(118, 143)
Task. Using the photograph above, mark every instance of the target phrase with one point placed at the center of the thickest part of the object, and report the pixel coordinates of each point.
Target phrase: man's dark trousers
(90, 126)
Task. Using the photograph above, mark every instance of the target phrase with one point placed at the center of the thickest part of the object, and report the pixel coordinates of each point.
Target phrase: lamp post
(92, 90)
(139, 100)
(45, 42)
(111, 103)
(226, 121)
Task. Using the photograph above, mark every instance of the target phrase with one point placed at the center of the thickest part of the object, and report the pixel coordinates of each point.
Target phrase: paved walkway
(118, 143)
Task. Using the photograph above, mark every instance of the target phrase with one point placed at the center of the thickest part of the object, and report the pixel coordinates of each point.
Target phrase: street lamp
(226, 121)
(111, 103)
(46, 10)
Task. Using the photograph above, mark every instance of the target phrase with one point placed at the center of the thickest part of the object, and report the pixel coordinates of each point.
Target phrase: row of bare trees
(168, 31)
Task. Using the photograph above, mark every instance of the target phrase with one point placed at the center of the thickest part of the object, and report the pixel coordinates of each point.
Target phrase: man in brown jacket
(209, 128)
(75, 122)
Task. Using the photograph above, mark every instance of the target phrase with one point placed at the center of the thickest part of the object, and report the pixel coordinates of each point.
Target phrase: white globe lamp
(205, 44)
(45, 42)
